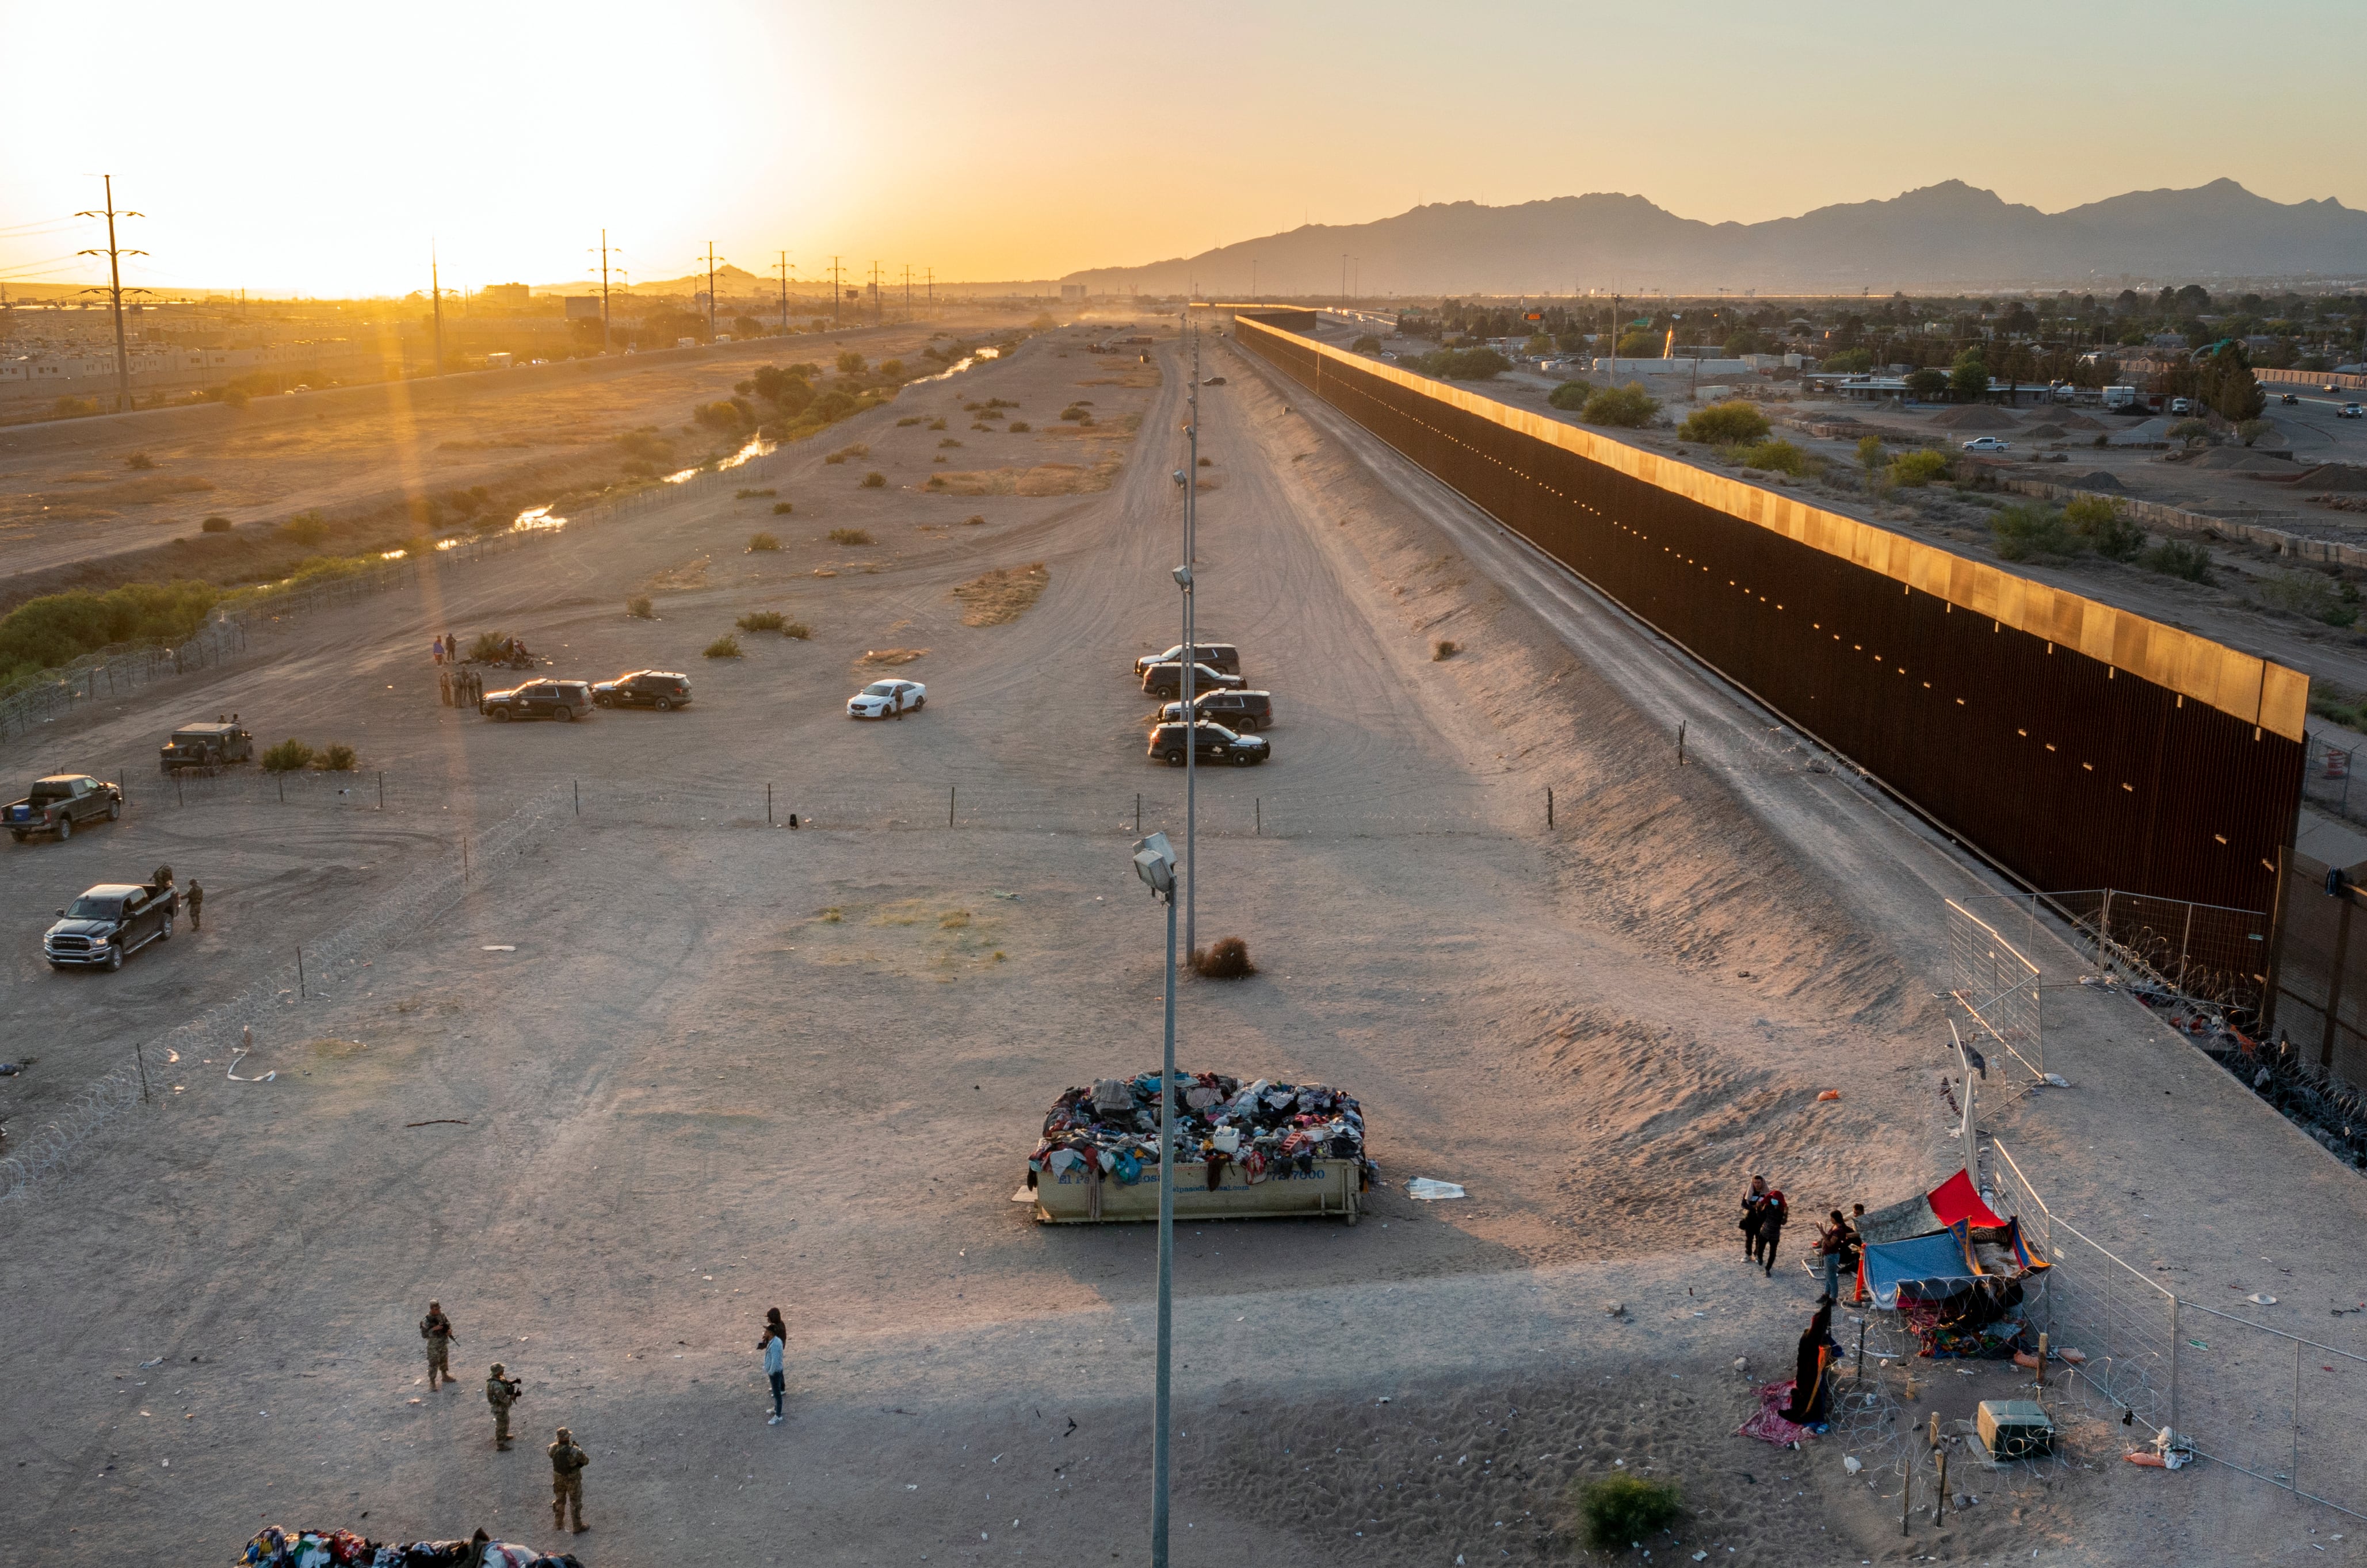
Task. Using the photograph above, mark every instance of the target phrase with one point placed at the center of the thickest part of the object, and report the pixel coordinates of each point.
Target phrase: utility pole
(908, 291)
(435, 293)
(1253, 293)
(1192, 663)
(114, 289)
(607, 337)
(879, 300)
(785, 291)
(932, 291)
(710, 291)
(837, 286)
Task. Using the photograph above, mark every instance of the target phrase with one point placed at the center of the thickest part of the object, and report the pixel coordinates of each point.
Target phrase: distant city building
(1073, 294)
(511, 294)
(584, 307)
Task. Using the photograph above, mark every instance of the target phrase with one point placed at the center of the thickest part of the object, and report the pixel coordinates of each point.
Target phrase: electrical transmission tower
(784, 269)
(608, 339)
(837, 287)
(710, 290)
(114, 289)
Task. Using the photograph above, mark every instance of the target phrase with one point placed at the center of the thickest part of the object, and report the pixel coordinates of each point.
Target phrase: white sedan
(1986, 444)
(887, 699)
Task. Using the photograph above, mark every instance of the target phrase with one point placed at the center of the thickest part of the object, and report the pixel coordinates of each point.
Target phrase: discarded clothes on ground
(1219, 1120)
(278, 1548)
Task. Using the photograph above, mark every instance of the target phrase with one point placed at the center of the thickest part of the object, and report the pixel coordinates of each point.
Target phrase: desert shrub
(2252, 429)
(2311, 594)
(287, 757)
(891, 368)
(337, 757)
(974, 519)
(797, 629)
(1724, 424)
(908, 422)
(2026, 532)
(2172, 558)
(1367, 343)
(1570, 396)
(1020, 427)
(1074, 412)
(725, 646)
(850, 363)
(1778, 456)
(763, 542)
(936, 424)
(2191, 430)
(760, 621)
(215, 525)
(783, 508)
(307, 528)
(139, 461)
(754, 495)
(718, 416)
(1462, 364)
(489, 648)
(1444, 649)
(875, 480)
(950, 441)
(1207, 462)
(1850, 360)
(1913, 470)
(1619, 1510)
(641, 609)
(1226, 958)
(849, 537)
(1628, 407)
(2100, 526)
(75, 408)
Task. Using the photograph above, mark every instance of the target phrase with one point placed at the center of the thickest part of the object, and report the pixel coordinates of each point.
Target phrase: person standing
(436, 649)
(1832, 1241)
(567, 1463)
(501, 1393)
(1754, 1209)
(1853, 1252)
(773, 1345)
(444, 687)
(196, 905)
(1772, 1213)
(437, 1329)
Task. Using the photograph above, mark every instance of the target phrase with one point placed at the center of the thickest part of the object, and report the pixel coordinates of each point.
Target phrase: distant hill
(1945, 236)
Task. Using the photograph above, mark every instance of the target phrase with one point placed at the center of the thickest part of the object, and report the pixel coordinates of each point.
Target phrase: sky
(325, 150)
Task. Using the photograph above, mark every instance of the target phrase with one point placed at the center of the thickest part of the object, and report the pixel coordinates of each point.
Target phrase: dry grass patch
(892, 656)
(1003, 594)
(1044, 478)
(689, 574)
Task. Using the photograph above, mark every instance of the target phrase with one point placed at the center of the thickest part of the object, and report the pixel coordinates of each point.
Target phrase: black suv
(539, 699)
(1239, 710)
(1214, 742)
(1167, 680)
(1221, 656)
(659, 689)
(97, 930)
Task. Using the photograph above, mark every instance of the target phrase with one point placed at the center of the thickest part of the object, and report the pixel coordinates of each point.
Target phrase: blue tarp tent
(1935, 1264)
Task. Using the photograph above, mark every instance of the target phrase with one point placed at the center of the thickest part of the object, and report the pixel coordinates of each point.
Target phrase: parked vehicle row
(1224, 709)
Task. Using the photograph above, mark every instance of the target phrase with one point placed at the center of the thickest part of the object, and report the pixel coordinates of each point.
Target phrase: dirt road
(655, 1067)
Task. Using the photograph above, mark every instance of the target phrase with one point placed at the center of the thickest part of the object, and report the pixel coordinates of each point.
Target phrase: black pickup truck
(58, 804)
(110, 922)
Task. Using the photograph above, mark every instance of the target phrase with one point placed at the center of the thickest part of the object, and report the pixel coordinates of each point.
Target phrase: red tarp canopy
(1954, 1200)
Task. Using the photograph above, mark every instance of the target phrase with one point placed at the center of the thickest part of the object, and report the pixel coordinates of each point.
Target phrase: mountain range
(1947, 236)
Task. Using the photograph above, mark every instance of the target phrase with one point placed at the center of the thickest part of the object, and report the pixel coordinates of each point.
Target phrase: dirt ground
(655, 1062)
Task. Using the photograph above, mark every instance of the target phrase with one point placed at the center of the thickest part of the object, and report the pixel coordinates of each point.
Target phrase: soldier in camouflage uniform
(437, 1329)
(501, 1393)
(567, 1463)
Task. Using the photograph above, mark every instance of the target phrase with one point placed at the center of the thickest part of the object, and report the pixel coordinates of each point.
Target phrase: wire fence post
(381, 789)
(299, 974)
(1549, 807)
(768, 805)
(282, 780)
(577, 785)
(2173, 1363)
(951, 791)
(140, 1055)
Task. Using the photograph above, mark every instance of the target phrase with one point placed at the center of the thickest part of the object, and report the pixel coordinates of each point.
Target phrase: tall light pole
(435, 294)
(1154, 862)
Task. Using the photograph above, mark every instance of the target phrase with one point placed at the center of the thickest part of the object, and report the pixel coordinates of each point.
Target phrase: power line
(114, 289)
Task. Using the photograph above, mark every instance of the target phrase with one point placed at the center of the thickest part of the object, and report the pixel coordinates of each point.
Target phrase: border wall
(2073, 744)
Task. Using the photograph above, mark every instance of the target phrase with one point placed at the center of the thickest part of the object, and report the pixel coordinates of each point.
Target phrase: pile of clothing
(1261, 1127)
(278, 1548)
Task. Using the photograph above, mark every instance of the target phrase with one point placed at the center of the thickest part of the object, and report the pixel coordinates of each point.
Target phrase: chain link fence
(2327, 765)
(2276, 1406)
(1997, 988)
